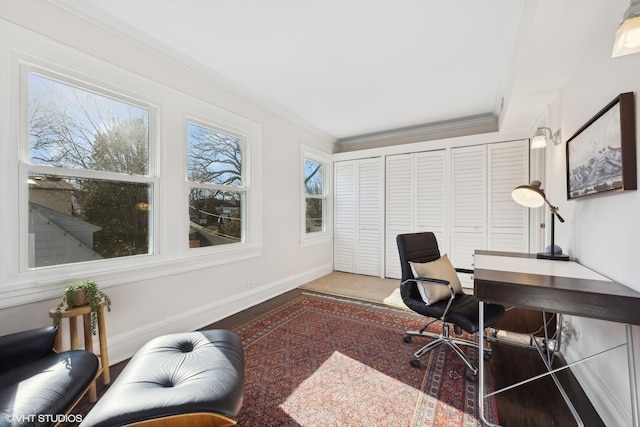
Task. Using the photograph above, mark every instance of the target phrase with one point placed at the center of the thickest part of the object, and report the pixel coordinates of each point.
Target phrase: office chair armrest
(437, 282)
(431, 280)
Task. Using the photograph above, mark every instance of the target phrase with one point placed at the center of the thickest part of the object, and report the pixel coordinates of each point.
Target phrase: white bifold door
(415, 189)
(463, 195)
(358, 220)
(468, 204)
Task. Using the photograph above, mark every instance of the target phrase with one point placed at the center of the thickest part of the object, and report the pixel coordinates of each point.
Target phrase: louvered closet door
(358, 216)
(400, 196)
(369, 233)
(508, 221)
(468, 204)
(430, 197)
(344, 252)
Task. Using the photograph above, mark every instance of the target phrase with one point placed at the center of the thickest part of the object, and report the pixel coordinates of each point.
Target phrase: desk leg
(631, 360)
(481, 360)
(481, 381)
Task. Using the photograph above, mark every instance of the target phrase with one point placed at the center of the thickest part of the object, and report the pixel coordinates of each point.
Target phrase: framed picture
(601, 155)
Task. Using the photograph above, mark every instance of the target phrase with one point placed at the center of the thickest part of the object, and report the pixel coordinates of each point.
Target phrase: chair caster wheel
(487, 355)
(415, 363)
(407, 339)
(457, 330)
(470, 376)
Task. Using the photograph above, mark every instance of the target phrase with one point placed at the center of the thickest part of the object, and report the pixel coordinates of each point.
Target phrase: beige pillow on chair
(439, 269)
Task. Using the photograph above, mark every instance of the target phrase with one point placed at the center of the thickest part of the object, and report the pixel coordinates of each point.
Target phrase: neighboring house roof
(50, 183)
(57, 230)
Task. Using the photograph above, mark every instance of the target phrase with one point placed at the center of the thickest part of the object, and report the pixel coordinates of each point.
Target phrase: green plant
(93, 295)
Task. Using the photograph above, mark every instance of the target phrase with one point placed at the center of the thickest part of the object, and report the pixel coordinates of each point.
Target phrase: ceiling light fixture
(628, 35)
(540, 139)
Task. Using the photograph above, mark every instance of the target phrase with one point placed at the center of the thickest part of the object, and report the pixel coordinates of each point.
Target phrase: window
(217, 189)
(316, 194)
(88, 174)
(99, 188)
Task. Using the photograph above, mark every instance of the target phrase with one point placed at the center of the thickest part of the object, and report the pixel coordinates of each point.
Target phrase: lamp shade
(530, 196)
(538, 141)
(627, 38)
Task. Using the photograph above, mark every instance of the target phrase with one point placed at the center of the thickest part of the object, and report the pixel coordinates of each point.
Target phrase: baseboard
(604, 402)
(125, 345)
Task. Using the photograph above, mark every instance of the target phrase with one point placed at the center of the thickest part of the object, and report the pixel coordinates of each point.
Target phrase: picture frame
(601, 155)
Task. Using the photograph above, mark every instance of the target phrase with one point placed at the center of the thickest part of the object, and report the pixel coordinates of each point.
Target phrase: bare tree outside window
(104, 210)
(314, 183)
(217, 194)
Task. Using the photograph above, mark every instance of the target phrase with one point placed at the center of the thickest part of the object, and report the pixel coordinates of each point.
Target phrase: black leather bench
(193, 378)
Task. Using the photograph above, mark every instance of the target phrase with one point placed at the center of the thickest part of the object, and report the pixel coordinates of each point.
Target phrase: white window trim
(310, 239)
(252, 208)
(169, 256)
(26, 168)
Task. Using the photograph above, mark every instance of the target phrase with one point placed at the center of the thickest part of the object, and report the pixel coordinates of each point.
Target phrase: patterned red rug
(322, 361)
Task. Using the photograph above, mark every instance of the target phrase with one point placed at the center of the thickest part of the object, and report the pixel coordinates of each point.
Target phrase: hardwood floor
(536, 404)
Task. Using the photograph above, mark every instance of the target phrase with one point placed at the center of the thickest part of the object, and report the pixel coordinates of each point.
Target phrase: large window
(94, 183)
(87, 168)
(217, 189)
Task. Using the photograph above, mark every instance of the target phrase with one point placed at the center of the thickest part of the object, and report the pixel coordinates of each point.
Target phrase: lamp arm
(554, 210)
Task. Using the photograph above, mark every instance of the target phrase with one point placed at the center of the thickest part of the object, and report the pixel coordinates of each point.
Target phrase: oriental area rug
(325, 361)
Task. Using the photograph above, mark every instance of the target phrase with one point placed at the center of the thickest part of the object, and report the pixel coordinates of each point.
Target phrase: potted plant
(83, 293)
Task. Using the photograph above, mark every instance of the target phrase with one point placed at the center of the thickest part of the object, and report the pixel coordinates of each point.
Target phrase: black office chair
(459, 309)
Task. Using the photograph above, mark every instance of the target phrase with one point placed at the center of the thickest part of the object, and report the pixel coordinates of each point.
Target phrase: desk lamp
(532, 196)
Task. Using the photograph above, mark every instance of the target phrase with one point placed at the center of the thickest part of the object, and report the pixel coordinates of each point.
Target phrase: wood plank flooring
(535, 404)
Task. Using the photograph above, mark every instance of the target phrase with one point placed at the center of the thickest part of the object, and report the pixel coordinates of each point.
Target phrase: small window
(89, 184)
(316, 198)
(316, 209)
(217, 190)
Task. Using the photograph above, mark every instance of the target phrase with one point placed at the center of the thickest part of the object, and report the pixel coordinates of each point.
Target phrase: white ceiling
(352, 67)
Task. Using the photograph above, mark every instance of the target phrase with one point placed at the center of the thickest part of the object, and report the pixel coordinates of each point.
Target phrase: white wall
(143, 308)
(601, 232)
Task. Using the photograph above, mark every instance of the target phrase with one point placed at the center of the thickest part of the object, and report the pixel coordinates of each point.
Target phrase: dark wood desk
(522, 280)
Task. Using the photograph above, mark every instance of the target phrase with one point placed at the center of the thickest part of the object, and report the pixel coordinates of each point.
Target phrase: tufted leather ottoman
(187, 379)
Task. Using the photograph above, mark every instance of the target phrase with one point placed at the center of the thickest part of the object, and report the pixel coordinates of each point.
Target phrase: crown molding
(482, 123)
(127, 32)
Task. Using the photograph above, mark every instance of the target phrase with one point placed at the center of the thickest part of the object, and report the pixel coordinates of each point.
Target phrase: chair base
(453, 343)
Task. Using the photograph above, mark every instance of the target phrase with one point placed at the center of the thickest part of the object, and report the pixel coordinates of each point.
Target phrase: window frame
(325, 236)
(26, 168)
(244, 188)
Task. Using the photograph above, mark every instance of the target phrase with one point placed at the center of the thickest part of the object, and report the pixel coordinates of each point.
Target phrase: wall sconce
(628, 35)
(540, 139)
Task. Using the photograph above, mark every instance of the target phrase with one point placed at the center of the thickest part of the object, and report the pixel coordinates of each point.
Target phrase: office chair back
(416, 247)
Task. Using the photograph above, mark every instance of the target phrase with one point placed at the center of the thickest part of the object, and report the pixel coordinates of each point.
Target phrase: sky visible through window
(68, 124)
